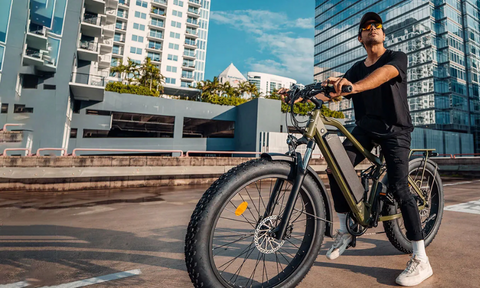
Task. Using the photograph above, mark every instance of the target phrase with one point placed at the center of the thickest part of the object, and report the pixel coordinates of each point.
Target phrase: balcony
(195, 3)
(188, 66)
(193, 12)
(117, 52)
(104, 61)
(91, 25)
(123, 16)
(192, 23)
(110, 16)
(121, 27)
(112, 3)
(187, 77)
(187, 55)
(106, 46)
(87, 87)
(95, 6)
(191, 33)
(190, 44)
(155, 36)
(40, 59)
(155, 12)
(119, 40)
(37, 37)
(153, 47)
(156, 25)
(156, 60)
(123, 3)
(160, 3)
(87, 50)
(109, 31)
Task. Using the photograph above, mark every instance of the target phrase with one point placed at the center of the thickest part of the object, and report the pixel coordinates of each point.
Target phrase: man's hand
(338, 83)
(283, 94)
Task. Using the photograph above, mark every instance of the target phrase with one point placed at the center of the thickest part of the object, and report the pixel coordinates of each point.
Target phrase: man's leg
(343, 238)
(396, 151)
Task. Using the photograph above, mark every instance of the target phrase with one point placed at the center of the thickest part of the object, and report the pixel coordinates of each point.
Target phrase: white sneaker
(416, 272)
(340, 245)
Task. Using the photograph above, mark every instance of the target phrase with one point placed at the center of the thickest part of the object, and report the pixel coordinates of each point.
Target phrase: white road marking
(460, 183)
(97, 280)
(97, 209)
(472, 207)
(15, 285)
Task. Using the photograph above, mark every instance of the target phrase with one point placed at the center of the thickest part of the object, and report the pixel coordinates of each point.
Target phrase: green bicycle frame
(362, 210)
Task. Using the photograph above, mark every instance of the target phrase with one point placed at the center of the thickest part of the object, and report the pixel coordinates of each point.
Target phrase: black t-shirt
(383, 111)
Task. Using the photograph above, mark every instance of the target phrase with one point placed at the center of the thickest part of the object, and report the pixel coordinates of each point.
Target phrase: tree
(150, 76)
(128, 72)
(248, 88)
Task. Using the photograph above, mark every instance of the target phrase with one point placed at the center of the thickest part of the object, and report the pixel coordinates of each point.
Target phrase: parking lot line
(97, 280)
(15, 285)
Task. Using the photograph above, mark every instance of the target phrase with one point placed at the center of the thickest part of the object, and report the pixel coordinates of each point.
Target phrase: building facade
(231, 75)
(266, 83)
(48, 63)
(173, 33)
(441, 40)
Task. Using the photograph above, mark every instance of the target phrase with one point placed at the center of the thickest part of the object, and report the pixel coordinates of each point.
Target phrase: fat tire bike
(262, 223)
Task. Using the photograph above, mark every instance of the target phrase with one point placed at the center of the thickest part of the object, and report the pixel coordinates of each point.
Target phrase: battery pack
(346, 167)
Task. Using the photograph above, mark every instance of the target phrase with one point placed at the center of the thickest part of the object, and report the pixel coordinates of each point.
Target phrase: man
(379, 95)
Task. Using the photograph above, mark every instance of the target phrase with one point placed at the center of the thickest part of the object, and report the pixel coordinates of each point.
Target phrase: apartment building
(173, 33)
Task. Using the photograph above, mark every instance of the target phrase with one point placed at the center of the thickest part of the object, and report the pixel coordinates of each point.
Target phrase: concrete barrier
(109, 172)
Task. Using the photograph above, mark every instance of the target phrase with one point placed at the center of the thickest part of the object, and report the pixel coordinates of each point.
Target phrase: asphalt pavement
(135, 238)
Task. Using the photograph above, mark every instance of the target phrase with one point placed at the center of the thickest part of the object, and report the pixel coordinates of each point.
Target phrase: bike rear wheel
(426, 177)
(226, 250)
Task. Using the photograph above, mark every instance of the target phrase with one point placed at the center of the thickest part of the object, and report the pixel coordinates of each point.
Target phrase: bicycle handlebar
(310, 91)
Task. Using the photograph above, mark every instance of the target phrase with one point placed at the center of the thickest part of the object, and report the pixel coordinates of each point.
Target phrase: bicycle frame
(362, 210)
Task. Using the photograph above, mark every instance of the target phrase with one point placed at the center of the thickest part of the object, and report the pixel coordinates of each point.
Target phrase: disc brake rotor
(264, 236)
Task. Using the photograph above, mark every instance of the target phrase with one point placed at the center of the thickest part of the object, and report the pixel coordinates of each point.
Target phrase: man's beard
(369, 42)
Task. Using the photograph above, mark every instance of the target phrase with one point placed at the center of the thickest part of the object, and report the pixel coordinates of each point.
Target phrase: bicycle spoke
(248, 208)
(232, 242)
(253, 202)
(246, 250)
(259, 196)
(244, 216)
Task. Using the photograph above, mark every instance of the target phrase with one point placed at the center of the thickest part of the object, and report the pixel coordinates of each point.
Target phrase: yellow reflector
(241, 208)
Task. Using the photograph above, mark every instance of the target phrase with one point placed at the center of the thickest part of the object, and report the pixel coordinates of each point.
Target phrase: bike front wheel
(229, 241)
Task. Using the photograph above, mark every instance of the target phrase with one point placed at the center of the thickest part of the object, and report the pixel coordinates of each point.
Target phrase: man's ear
(360, 39)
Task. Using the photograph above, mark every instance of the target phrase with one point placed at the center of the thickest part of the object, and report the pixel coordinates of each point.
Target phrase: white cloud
(291, 56)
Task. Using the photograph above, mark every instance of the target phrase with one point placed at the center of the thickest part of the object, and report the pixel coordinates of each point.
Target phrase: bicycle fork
(301, 166)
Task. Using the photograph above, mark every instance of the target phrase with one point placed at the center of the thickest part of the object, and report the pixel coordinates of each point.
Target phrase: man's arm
(376, 79)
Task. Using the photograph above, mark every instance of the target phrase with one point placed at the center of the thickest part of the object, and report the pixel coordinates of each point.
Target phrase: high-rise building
(266, 83)
(172, 33)
(442, 42)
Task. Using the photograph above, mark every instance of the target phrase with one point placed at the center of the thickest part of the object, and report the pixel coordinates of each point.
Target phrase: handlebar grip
(347, 89)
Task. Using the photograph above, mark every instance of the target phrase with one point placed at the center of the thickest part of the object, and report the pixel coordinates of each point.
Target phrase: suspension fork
(300, 173)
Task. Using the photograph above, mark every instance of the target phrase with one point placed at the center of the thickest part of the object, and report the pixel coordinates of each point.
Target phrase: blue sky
(272, 36)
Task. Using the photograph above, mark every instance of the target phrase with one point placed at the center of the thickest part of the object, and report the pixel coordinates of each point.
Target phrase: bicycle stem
(301, 172)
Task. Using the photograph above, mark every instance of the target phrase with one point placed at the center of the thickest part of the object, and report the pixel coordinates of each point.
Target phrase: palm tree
(129, 72)
(150, 75)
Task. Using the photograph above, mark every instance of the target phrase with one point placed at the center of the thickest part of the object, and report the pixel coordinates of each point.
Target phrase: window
(154, 56)
(157, 22)
(170, 80)
(1, 56)
(132, 125)
(136, 50)
(172, 57)
(178, 3)
(4, 15)
(173, 46)
(175, 35)
(177, 13)
(30, 81)
(207, 128)
(176, 24)
(140, 15)
(137, 38)
(143, 4)
(172, 69)
(49, 87)
(4, 108)
(139, 26)
(20, 108)
(155, 45)
(73, 133)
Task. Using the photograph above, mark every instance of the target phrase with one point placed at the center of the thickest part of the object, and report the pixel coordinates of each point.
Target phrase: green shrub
(119, 87)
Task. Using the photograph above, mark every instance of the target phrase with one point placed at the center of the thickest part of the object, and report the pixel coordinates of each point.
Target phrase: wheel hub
(264, 236)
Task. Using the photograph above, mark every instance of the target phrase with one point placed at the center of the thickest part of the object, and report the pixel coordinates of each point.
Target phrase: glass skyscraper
(442, 41)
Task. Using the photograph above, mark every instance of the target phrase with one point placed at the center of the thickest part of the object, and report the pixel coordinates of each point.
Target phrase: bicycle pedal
(388, 199)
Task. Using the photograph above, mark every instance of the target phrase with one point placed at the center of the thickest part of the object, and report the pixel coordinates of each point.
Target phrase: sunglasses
(369, 26)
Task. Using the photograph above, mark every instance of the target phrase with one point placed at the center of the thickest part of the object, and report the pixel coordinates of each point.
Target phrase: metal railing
(108, 42)
(88, 79)
(124, 2)
(222, 152)
(189, 54)
(158, 12)
(88, 45)
(187, 76)
(194, 1)
(105, 58)
(192, 21)
(191, 32)
(33, 53)
(92, 19)
(74, 153)
(121, 27)
(154, 46)
(27, 150)
(188, 64)
(11, 125)
(37, 29)
(164, 2)
(64, 151)
(192, 43)
(194, 11)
